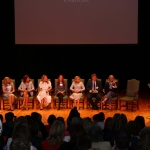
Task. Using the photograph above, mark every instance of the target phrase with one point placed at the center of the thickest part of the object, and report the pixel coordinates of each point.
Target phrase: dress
(24, 87)
(8, 88)
(43, 94)
(77, 86)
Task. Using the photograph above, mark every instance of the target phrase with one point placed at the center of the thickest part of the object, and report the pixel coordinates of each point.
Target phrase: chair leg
(132, 105)
(116, 104)
(137, 104)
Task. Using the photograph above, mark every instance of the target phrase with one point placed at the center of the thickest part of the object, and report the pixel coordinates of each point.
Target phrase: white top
(9, 142)
(77, 86)
(45, 85)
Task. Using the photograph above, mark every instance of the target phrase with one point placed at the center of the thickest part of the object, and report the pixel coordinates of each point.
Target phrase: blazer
(98, 85)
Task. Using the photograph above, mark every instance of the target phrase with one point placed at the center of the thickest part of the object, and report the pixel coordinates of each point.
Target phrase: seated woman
(60, 89)
(77, 87)
(26, 90)
(8, 89)
(110, 90)
(43, 96)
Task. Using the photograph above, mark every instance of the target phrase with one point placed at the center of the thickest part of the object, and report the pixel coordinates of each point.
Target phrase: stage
(144, 110)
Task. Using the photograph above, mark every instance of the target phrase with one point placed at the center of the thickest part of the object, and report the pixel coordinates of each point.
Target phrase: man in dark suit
(94, 88)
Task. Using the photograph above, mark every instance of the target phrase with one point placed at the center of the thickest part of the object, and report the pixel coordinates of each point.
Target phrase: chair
(65, 98)
(31, 98)
(37, 90)
(5, 100)
(114, 99)
(82, 97)
(132, 94)
(88, 104)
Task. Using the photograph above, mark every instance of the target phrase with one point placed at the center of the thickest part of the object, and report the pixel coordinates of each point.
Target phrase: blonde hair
(43, 77)
(111, 76)
(5, 80)
(56, 133)
(75, 78)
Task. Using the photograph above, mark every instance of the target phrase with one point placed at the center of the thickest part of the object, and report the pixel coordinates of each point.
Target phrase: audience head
(1, 127)
(96, 118)
(20, 139)
(9, 116)
(96, 133)
(1, 117)
(76, 120)
(51, 119)
(81, 143)
(87, 123)
(29, 118)
(36, 116)
(133, 128)
(122, 140)
(56, 133)
(101, 117)
(145, 130)
(121, 123)
(61, 119)
(144, 141)
(33, 128)
(26, 78)
(108, 123)
(77, 131)
(141, 121)
(94, 77)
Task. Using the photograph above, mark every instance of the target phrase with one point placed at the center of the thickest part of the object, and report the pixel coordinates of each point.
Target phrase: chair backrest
(13, 81)
(82, 80)
(116, 80)
(132, 87)
(66, 84)
(32, 80)
(39, 82)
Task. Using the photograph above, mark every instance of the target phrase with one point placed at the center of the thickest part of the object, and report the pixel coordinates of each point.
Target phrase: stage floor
(144, 110)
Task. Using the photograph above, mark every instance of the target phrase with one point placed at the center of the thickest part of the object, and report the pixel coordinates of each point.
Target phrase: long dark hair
(58, 81)
(25, 78)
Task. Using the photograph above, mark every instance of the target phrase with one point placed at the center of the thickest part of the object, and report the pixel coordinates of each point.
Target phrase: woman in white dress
(43, 95)
(77, 88)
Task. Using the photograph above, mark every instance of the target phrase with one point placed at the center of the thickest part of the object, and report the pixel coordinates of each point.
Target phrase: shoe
(109, 108)
(22, 106)
(41, 108)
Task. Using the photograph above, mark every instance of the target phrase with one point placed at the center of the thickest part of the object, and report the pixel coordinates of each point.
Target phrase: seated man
(94, 87)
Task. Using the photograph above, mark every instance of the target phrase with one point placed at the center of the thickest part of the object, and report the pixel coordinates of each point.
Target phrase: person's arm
(82, 87)
(32, 87)
(88, 86)
(115, 85)
(20, 87)
(40, 86)
(72, 86)
(4, 89)
(13, 88)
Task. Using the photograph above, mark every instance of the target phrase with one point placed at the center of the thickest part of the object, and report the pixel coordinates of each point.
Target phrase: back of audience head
(121, 123)
(144, 141)
(122, 140)
(144, 130)
(96, 133)
(76, 120)
(1, 117)
(56, 133)
(33, 128)
(133, 128)
(51, 119)
(77, 131)
(96, 118)
(87, 124)
(61, 119)
(108, 123)
(29, 118)
(141, 121)
(20, 139)
(81, 143)
(101, 117)
(9, 116)
(36, 116)
(114, 120)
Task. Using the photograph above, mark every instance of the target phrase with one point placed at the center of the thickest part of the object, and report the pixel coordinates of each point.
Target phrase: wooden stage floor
(144, 110)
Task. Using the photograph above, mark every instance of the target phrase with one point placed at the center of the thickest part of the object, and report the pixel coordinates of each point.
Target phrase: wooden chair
(82, 97)
(132, 94)
(5, 100)
(31, 98)
(65, 98)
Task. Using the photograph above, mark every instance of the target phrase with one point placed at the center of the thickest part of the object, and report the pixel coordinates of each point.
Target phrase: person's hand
(9, 92)
(149, 85)
(103, 90)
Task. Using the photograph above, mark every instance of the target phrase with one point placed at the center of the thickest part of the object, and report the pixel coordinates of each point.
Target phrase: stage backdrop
(76, 21)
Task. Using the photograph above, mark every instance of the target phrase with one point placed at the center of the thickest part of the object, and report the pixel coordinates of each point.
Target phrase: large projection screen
(76, 21)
